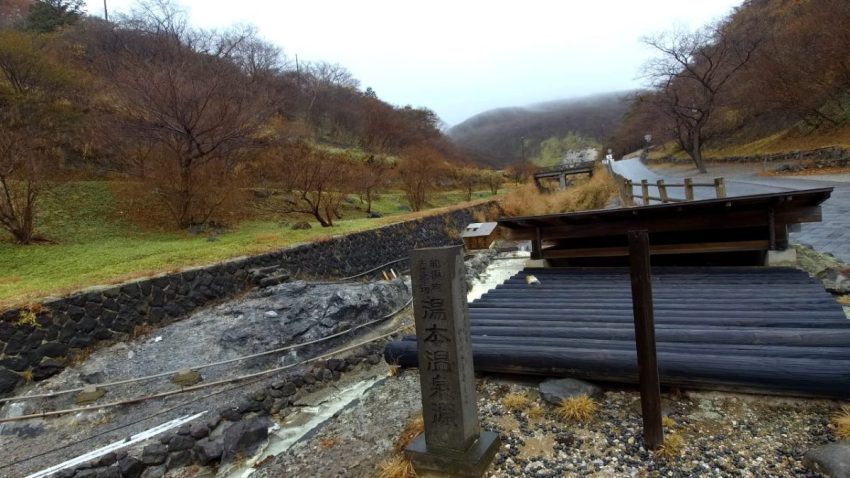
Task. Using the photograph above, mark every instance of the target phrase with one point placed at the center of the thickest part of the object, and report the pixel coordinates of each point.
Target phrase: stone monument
(453, 443)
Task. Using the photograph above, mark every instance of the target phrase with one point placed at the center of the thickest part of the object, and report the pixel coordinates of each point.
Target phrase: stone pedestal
(471, 463)
(786, 258)
(452, 444)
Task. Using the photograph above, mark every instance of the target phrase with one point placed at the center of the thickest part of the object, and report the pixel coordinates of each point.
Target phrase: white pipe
(116, 445)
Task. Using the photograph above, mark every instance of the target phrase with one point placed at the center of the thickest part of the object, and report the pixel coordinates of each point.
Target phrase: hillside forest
(191, 128)
(771, 77)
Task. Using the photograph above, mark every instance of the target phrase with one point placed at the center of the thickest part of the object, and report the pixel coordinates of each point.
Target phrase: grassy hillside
(785, 141)
(93, 244)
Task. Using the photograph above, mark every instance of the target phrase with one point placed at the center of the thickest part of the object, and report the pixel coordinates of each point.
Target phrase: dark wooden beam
(650, 384)
(537, 245)
(657, 249)
(603, 226)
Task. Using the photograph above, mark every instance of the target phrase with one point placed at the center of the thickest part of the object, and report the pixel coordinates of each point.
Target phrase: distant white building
(573, 157)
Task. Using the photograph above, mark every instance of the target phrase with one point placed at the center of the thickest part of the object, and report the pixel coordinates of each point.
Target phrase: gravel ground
(724, 435)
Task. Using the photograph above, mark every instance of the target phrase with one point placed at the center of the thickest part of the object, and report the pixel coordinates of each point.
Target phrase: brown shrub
(590, 193)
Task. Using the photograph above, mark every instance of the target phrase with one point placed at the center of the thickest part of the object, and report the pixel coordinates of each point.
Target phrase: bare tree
(199, 113)
(370, 176)
(494, 180)
(521, 171)
(418, 174)
(33, 86)
(694, 69)
(467, 179)
(23, 169)
(313, 182)
(12, 12)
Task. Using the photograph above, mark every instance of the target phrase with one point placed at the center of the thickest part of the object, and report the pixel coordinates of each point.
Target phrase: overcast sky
(462, 57)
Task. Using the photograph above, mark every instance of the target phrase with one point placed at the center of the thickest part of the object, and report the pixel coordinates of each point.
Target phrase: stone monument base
(471, 463)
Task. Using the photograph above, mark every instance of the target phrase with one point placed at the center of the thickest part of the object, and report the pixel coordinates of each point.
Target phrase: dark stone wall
(41, 341)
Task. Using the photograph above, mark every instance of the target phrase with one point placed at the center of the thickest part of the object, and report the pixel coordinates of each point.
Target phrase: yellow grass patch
(516, 402)
(841, 422)
(672, 446)
(581, 408)
(396, 466)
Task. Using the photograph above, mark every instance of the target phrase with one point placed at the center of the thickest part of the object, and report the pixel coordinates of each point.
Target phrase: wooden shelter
(747, 226)
(479, 235)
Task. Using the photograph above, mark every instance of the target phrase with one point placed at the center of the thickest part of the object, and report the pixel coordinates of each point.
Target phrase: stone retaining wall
(37, 342)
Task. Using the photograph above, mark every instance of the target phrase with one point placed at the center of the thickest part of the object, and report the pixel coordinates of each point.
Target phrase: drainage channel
(300, 425)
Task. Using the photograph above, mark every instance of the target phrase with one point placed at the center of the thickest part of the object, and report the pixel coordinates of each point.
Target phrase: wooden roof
(479, 229)
(741, 223)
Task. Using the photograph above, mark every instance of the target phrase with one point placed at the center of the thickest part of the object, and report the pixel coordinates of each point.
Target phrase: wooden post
(720, 187)
(537, 245)
(771, 225)
(650, 387)
(630, 193)
(644, 190)
(689, 189)
(662, 191)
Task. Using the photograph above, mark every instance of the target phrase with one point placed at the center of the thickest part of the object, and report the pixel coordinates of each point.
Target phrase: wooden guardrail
(627, 190)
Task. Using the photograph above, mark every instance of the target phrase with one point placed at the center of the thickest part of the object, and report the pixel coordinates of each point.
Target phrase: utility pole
(522, 148)
(105, 11)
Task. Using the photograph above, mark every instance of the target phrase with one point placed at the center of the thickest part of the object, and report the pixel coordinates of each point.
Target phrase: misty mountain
(494, 137)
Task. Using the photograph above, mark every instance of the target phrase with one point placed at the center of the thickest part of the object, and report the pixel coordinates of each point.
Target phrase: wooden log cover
(754, 329)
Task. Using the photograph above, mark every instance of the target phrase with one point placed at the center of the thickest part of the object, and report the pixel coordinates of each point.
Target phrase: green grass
(93, 245)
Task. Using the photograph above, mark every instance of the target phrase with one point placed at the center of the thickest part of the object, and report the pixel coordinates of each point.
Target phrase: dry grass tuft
(581, 408)
(396, 466)
(80, 355)
(672, 446)
(267, 238)
(844, 300)
(668, 422)
(487, 214)
(536, 412)
(28, 315)
(592, 193)
(27, 375)
(516, 402)
(841, 422)
(412, 430)
(327, 443)
(142, 330)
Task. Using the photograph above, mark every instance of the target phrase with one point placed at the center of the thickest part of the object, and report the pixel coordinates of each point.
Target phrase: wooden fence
(628, 196)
